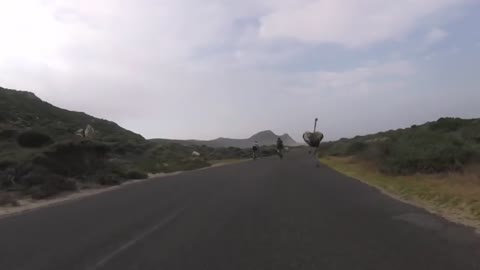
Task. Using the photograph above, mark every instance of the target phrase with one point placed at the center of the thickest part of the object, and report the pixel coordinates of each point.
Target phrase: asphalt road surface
(267, 214)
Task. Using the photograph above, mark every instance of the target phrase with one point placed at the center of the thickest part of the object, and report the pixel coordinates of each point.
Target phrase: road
(267, 214)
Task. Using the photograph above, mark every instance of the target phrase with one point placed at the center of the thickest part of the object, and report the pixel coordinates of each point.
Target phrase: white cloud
(184, 68)
(359, 81)
(351, 23)
(435, 35)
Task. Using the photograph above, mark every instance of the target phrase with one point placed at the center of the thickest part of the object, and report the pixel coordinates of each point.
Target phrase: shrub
(356, 147)
(338, 149)
(445, 145)
(35, 177)
(448, 124)
(7, 163)
(74, 158)
(129, 147)
(8, 134)
(433, 158)
(136, 175)
(44, 186)
(33, 139)
(109, 180)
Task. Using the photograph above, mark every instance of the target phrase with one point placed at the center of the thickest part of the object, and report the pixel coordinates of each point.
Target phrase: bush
(136, 175)
(338, 149)
(109, 180)
(129, 147)
(74, 158)
(446, 145)
(33, 139)
(44, 186)
(427, 158)
(35, 178)
(7, 134)
(448, 124)
(7, 163)
(356, 148)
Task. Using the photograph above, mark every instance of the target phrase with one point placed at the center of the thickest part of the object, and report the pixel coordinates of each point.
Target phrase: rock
(79, 132)
(195, 154)
(89, 132)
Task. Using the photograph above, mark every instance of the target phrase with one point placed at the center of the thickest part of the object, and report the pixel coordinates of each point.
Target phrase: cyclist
(280, 147)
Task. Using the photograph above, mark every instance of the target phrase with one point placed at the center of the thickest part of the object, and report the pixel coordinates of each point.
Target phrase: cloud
(353, 24)
(203, 69)
(435, 35)
(360, 81)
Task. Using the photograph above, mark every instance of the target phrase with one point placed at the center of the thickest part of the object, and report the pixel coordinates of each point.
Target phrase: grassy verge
(456, 196)
(227, 161)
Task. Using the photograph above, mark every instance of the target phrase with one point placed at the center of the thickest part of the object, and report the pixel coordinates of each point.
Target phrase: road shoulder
(453, 201)
(27, 204)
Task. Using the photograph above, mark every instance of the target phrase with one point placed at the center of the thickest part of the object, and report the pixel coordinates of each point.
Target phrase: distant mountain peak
(264, 132)
(266, 137)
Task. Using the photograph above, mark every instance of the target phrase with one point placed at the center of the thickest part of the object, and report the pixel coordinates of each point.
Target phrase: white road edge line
(136, 239)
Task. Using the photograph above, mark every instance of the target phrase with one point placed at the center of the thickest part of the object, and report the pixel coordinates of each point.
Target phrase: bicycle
(280, 153)
(255, 153)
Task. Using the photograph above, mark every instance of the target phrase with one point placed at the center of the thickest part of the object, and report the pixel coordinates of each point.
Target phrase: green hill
(448, 144)
(41, 155)
(20, 110)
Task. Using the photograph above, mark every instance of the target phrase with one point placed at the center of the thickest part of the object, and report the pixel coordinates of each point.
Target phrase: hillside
(41, 154)
(263, 138)
(435, 165)
(21, 110)
(448, 144)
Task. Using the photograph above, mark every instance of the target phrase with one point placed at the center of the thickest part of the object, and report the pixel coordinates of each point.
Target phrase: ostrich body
(313, 139)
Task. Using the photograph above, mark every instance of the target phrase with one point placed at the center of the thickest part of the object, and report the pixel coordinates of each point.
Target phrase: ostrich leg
(316, 152)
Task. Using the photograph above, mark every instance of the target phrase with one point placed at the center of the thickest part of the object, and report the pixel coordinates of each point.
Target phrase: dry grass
(455, 196)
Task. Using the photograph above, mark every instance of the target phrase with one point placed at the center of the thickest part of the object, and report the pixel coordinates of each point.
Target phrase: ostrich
(313, 139)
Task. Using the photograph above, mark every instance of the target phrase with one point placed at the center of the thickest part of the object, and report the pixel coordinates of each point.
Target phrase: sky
(216, 68)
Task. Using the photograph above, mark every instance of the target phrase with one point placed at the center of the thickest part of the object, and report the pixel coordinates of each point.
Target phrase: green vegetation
(446, 145)
(20, 111)
(41, 156)
(435, 165)
(33, 139)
